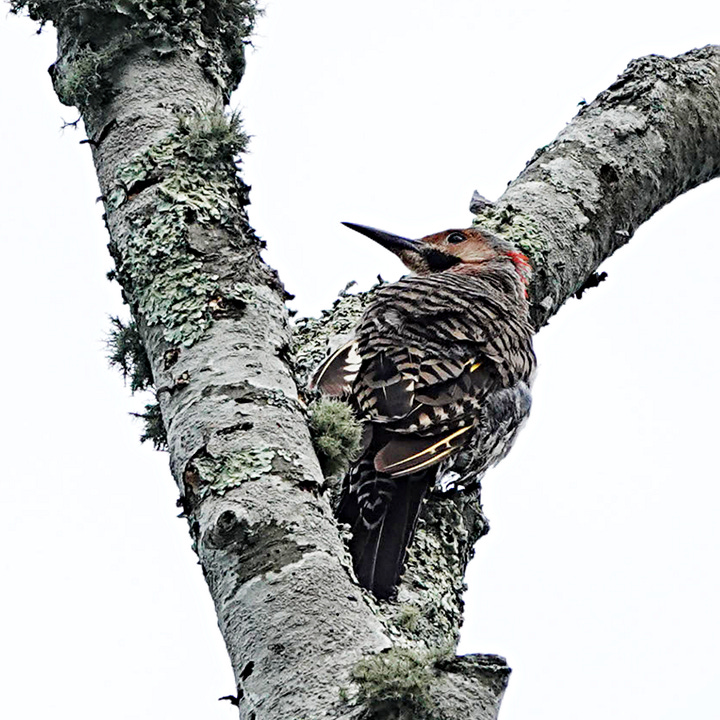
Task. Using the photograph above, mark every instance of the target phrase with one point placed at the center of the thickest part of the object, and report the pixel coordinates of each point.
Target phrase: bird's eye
(455, 237)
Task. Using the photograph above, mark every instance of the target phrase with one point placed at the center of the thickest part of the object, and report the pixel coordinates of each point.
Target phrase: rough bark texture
(651, 136)
(150, 78)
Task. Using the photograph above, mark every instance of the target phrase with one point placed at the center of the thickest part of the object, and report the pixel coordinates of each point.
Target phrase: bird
(439, 373)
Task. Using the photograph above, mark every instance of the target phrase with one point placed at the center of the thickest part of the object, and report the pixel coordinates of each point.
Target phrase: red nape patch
(522, 265)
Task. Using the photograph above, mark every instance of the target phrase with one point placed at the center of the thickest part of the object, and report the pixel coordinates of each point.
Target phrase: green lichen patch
(242, 293)
(396, 684)
(289, 466)
(192, 173)
(154, 427)
(335, 433)
(206, 139)
(520, 229)
(105, 31)
(218, 475)
(127, 352)
(436, 561)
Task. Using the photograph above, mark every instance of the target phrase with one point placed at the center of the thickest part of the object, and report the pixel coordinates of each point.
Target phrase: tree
(91, 134)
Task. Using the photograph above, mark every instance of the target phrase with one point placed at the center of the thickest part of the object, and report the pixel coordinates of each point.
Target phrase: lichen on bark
(218, 474)
(149, 77)
(651, 136)
(518, 228)
(104, 31)
(193, 171)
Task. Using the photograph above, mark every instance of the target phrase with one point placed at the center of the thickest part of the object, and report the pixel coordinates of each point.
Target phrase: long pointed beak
(394, 243)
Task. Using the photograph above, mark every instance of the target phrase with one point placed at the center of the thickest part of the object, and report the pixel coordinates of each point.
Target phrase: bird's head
(465, 250)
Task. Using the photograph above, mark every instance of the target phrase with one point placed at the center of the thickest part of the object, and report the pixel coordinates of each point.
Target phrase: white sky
(599, 580)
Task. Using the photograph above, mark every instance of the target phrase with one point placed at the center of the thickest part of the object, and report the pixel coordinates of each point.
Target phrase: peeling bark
(216, 332)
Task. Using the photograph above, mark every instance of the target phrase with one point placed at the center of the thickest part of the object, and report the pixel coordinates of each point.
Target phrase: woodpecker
(441, 361)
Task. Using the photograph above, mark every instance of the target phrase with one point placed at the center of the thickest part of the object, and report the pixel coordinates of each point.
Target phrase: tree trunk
(304, 640)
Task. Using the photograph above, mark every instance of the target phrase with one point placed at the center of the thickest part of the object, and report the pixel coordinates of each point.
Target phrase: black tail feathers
(382, 513)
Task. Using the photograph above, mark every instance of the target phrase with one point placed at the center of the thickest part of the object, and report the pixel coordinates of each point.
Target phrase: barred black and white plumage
(442, 360)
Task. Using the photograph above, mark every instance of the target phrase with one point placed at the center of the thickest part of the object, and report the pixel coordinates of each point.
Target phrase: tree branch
(150, 86)
(651, 136)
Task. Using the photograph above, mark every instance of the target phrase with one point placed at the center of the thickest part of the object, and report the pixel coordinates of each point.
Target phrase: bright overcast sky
(599, 581)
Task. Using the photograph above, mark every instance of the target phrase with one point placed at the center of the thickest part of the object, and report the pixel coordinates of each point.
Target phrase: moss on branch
(396, 683)
(335, 434)
(154, 431)
(127, 353)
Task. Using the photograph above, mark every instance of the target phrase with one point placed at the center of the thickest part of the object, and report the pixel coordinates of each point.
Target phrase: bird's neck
(512, 263)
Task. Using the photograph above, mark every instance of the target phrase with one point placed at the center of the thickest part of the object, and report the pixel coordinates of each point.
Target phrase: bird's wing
(335, 375)
(408, 455)
(423, 413)
(430, 355)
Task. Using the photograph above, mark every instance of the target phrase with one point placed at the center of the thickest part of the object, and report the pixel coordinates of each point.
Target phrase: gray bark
(304, 640)
(651, 136)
